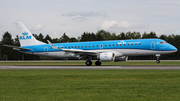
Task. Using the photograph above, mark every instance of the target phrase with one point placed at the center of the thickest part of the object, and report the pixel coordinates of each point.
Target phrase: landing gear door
(152, 45)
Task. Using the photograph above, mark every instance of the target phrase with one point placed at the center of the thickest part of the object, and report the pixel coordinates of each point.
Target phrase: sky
(74, 17)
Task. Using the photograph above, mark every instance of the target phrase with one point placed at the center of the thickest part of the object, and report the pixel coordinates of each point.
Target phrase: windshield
(163, 42)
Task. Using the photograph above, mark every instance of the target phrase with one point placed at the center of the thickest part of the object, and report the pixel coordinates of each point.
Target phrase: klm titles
(25, 36)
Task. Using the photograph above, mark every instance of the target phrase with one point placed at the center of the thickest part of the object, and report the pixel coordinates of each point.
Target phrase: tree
(145, 35)
(64, 38)
(164, 37)
(16, 41)
(55, 40)
(88, 37)
(113, 37)
(84, 37)
(99, 37)
(73, 39)
(41, 37)
(47, 38)
(134, 35)
(7, 40)
(152, 35)
(36, 36)
(121, 36)
(104, 34)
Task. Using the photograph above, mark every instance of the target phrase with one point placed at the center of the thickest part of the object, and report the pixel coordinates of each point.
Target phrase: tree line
(7, 53)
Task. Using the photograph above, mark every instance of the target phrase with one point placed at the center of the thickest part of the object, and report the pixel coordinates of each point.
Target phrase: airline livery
(117, 50)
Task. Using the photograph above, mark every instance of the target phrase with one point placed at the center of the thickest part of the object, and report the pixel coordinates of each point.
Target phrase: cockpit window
(163, 42)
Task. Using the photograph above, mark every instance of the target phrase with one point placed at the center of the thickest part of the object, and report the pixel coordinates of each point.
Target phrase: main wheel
(88, 63)
(98, 63)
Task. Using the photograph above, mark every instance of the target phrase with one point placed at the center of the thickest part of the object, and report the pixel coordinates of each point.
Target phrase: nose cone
(172, 48)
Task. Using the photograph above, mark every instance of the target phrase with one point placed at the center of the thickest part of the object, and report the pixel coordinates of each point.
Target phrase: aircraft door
(152, 45)
(101, 46)
(46, 50)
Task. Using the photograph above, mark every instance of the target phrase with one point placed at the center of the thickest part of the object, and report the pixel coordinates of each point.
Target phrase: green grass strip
(89, 85)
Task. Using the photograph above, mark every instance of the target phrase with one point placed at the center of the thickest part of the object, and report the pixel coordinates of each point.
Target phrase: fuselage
(133, 47)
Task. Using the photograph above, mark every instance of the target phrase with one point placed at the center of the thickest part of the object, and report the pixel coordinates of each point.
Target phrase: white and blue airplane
(117, 50)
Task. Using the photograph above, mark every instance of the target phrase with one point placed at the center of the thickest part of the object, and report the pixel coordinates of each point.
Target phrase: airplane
(116, 50)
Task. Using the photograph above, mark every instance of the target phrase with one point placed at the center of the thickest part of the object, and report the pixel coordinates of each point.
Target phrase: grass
(56, 63)
(90, 85)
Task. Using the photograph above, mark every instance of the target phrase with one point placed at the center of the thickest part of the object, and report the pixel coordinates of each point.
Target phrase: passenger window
(82, 46)
(89, 46)
(75, 47)
(109, 45)
(120, 44)
(85, 46)
(71, 47)
(113, 45)
(139, 43)
(97, 45)
(131, 44)
(124, 44)
(105, 45)
(78, 46)
(116, 44)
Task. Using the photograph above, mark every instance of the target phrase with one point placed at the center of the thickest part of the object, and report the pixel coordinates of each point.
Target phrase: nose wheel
(157, 61)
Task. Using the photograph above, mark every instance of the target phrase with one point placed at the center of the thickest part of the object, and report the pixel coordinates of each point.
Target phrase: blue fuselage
(125, 47)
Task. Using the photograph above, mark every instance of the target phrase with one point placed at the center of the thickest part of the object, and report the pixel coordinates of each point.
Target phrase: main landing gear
(89, 63)
(158, 55)
(98, 63)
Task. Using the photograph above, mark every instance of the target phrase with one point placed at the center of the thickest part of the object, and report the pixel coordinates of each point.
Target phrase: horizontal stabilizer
(16, 47)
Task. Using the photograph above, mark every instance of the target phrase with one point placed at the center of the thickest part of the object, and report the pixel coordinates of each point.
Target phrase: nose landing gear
(158, 55)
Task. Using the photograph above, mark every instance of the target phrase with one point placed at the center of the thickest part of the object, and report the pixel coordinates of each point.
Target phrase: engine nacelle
(122, 58)
(109, 56)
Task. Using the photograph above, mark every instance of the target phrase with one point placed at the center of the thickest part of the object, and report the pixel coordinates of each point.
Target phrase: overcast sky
(54, 17)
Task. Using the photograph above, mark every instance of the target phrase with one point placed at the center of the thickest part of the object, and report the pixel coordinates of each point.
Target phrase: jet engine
(122, 58)
(109, 56)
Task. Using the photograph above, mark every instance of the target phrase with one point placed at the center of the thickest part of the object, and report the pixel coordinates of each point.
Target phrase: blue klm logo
(25, 36)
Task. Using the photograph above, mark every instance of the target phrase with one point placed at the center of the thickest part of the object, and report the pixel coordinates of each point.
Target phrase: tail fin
(25, 36)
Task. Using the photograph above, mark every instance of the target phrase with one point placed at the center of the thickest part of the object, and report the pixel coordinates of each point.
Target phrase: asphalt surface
(89, 67)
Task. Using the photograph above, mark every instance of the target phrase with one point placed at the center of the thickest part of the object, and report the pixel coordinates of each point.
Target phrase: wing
(77, 51)
(84, 53)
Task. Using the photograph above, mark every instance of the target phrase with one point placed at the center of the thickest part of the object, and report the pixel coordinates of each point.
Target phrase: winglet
(52, 46)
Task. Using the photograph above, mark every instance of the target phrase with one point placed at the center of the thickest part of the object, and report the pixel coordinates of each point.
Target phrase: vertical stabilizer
(25, 36)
